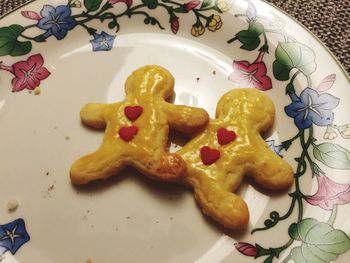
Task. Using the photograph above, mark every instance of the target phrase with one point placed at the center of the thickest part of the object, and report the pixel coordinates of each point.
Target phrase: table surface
(327, 19)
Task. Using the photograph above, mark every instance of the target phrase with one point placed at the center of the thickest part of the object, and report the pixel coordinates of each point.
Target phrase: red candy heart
(225, 136)
(128, 133)
(133, 112)
(209, 155)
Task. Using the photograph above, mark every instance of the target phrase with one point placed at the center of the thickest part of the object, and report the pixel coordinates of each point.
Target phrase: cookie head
(251, 106)
(150, 81)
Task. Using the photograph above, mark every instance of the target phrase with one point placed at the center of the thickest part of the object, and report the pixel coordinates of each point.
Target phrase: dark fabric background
(327, 19)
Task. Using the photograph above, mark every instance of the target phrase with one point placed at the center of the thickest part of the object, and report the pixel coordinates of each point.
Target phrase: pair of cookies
(221, 152)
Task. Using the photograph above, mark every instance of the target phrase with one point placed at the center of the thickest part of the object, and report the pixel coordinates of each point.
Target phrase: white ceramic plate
(72, 52)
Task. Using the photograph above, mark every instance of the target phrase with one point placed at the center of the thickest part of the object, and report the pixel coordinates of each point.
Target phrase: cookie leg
(271, 171)
(222, 205)
(98, 165)
(168, 167)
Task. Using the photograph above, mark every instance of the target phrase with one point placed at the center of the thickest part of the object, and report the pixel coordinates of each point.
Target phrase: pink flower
(329, 193)
(251, 75)
(191, 5)
(127, 2)
(31, 15)
(28, 74)
(174, 24)
(246, 249)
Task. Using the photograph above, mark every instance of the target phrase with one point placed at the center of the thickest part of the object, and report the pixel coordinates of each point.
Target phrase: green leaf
(315, 169)
(287, 144)
(298, 256)
(40, 38)
(321, 243)
(293, 55)
(151, 4)
(250, 38)
(333, 155)
(290, 88)
(280, 71)
(9, 44)
(92, 5)
(256, 27)
(268, 260)
(206, 3)
(293, 231)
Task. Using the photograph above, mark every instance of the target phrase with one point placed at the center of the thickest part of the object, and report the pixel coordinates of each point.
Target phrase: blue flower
(56, 21)
(275, 148)
(13, 235)
(102, 42)
(311, 108)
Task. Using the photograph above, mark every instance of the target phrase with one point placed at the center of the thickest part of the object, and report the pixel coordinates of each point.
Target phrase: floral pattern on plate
(320, 241)
(312, 107)
(12, 236)
(57, 21)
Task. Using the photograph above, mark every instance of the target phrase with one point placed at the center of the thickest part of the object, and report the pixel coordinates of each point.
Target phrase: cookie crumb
(37, 91)
(12, 205)
(89, 260)
(67, 138)
(197, 79)
(51, 187)
(47, 173)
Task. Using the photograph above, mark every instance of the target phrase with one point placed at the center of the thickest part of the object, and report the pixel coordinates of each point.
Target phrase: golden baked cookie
(228, 149)
(136, 130)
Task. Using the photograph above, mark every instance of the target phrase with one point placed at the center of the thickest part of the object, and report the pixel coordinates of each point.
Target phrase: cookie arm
(98, 165)
(92, 114)
(164, 167)
(186, 119)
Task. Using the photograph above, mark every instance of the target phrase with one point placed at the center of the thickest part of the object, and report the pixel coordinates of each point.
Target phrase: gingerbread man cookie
(229, 148)
(136, 130)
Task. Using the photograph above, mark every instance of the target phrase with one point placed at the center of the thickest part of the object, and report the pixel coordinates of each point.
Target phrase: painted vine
(58, 21)
(311, 107)
(320, 241)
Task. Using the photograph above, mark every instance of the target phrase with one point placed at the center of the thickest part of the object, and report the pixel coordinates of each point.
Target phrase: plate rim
(335, 59)
(13, 12)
